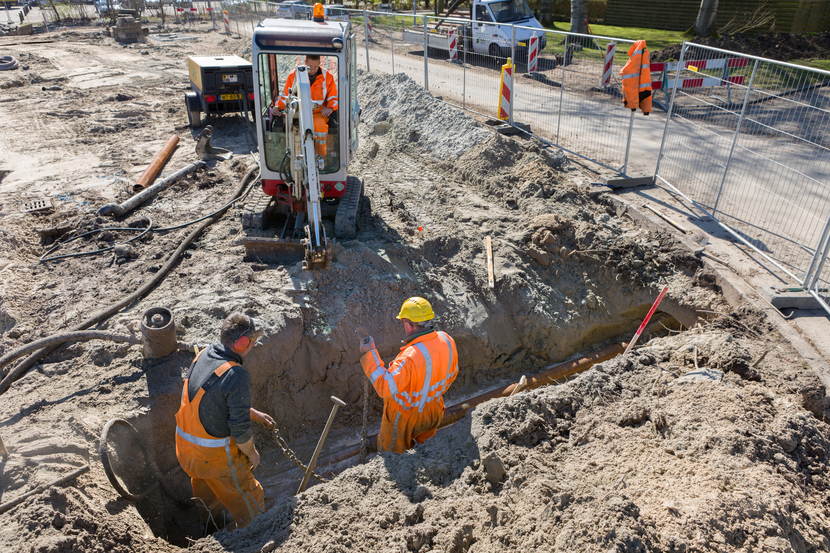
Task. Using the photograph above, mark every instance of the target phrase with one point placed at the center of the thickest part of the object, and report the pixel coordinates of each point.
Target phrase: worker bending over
(214, 443)
(323, 96)
(413, 386)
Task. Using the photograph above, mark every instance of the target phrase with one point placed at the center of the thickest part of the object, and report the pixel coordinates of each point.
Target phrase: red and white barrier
(720, 63)
(452, 38)
(700, 82)
(724, 64)
(226, 19)
(610, 50)
(505, 90)
(533, 54)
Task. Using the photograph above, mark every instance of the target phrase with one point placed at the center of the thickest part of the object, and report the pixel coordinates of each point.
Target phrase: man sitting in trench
(413, 386)
(214, 443)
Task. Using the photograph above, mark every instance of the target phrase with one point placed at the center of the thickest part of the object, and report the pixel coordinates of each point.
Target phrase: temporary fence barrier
(755, 158)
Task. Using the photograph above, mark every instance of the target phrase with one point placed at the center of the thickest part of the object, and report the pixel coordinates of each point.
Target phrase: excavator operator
(323, 96)
(214, 444)
(413, 386)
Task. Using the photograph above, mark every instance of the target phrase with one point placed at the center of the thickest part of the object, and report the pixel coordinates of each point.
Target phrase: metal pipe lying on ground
(158, 162)
(118, 210)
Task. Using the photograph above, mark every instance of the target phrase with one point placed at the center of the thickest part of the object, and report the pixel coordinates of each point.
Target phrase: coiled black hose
(24, 366)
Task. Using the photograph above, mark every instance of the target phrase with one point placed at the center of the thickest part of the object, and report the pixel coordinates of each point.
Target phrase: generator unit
(220, 84)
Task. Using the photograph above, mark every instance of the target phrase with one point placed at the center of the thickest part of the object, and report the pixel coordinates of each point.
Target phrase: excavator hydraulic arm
(306, 173)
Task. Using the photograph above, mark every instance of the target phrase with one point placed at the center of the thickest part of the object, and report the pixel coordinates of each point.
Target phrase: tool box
(220, 84)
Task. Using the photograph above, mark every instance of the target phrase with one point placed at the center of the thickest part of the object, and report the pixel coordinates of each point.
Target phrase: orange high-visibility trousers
(399, 430)
(237, 490)
(218, 470)
(321, 133)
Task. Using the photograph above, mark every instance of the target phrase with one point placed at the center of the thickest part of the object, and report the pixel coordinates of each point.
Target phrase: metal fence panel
(747, 140)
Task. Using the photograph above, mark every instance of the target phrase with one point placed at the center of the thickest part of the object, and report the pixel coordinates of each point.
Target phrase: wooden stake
(491, 271)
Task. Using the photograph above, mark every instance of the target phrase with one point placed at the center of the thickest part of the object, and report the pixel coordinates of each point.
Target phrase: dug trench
(621, 456)
(550, 304)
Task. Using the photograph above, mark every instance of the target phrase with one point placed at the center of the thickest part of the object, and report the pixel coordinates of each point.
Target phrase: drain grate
(39, 204)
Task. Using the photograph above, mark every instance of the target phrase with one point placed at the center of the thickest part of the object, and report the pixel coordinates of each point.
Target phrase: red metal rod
(642, 326)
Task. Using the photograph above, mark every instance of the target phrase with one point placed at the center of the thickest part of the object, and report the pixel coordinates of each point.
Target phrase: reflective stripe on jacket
(421, 373)
(200, 454)
(323, 90)
(636, 78)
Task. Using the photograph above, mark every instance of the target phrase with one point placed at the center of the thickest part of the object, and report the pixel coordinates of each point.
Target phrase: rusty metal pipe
(551, 374)
(119, 210)
(158, 162)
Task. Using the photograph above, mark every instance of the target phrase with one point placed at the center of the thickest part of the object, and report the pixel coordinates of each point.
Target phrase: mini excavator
(304, 187)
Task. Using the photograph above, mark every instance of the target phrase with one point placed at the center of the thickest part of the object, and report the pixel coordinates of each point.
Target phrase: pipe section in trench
(550, 375)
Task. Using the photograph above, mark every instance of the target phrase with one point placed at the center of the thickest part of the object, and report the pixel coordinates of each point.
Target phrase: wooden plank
(491, 271)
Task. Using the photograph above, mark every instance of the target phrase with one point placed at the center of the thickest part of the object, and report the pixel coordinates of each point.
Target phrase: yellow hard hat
(416, 310)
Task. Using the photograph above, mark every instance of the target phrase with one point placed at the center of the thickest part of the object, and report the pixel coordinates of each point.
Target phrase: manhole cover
(40, 204)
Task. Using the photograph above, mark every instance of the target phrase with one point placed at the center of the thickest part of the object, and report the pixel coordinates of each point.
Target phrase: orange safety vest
(323, 90)
(636, 78)
(419, 375)
(200, 454)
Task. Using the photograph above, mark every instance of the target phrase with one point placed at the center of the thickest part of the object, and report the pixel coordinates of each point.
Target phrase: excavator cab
(305, 97)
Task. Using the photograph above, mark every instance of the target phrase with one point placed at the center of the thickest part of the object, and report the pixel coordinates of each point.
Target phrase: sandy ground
(635, 455)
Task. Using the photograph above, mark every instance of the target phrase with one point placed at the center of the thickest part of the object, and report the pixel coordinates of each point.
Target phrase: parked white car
(294, 9)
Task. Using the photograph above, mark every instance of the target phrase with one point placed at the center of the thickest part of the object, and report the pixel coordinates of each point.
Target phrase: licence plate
(230, 78)
(230, 96)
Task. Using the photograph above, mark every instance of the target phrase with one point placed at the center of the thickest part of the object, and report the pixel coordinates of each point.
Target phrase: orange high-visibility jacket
(424, 369)
(323, 90)
(200, 454)
(636, 78)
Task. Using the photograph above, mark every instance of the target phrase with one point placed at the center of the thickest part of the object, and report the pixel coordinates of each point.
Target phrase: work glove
(367, 343)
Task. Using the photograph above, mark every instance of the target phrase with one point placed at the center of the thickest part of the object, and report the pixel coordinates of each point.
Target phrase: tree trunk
(161, 12)
(545, 12)
(579, 17)
(706, 17)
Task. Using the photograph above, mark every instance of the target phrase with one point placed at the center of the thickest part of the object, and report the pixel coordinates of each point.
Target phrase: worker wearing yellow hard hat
(413, 385)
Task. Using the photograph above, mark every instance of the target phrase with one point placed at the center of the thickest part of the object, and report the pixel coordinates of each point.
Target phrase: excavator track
(345, 220)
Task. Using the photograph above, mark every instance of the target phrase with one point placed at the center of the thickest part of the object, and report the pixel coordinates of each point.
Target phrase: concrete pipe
(158, 333)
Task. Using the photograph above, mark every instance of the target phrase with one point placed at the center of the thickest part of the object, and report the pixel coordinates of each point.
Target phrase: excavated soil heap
(684, 446)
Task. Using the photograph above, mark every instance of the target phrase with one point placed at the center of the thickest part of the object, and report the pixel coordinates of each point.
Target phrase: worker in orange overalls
(636, 78)
(413, 386)
(214, 443)
(323, 96)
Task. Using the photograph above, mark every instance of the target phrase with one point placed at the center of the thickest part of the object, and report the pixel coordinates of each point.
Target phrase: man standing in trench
(214, 443)
(413, 386)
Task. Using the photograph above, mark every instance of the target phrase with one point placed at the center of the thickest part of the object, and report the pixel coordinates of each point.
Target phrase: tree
(706, 17)
(579, 17)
